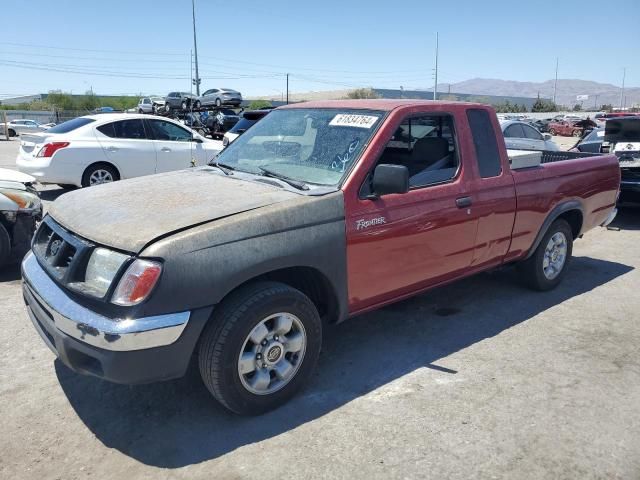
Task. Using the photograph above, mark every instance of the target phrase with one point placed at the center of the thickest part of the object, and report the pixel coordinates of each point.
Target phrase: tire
(533, 269)
(140, 110)
(184, 105)
(552, 132)
(218, 102)
(167, 107)
(99, 170)
(12, 133)
(576, 133)
(196, 105)
(230, 331)
(5, 246)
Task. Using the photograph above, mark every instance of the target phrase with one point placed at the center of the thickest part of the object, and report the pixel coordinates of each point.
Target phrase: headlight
(101, 269)
(25, 200)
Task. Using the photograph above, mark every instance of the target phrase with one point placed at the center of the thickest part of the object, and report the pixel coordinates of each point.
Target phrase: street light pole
(555, 84)
(435, 87)
(195, 46)
(624, 73)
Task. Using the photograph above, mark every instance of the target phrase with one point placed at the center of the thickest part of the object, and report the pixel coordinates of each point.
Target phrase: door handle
(165, 149)
(463, 202)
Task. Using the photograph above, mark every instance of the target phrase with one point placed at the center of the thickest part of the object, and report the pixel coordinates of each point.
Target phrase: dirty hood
(130, 214)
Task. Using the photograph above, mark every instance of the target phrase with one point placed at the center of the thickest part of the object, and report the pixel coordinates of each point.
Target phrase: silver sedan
(523, 136)
(218, 97)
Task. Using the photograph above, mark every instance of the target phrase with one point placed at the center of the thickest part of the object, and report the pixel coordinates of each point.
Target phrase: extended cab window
(485, 142)
(426, 145)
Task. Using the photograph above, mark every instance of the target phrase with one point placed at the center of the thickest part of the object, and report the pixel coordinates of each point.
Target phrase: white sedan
(522, 136)
(104, 148)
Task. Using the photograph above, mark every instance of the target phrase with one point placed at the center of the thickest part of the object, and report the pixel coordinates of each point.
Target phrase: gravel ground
(480, 379)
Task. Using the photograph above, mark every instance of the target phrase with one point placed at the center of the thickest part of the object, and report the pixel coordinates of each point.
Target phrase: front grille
(60, 253)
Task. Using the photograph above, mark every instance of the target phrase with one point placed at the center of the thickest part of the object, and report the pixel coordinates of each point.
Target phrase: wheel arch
(309, 280)
(101, 162)
(571, 211)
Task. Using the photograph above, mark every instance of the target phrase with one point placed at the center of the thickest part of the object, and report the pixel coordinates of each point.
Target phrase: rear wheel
(98, 174)
(260, 347)
(196, 105)
(576, 133)
(218, 102)
(5, 245)
(545, 269)
(185, 105)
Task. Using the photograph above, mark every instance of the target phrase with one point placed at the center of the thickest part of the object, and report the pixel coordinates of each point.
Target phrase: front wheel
(577, 133)
(260, 347)
(196, 105)
(552, 132)
(545, 269)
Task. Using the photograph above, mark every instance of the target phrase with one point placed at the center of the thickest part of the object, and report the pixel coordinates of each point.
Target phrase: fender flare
(552, 217)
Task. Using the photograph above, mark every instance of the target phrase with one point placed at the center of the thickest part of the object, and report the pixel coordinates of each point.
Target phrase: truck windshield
(316, 146)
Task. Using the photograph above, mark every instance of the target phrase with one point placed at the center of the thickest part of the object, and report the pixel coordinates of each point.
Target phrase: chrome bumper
(610, 218)
(46, 302)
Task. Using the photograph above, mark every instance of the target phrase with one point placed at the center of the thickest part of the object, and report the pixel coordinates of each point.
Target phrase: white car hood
(15, 176)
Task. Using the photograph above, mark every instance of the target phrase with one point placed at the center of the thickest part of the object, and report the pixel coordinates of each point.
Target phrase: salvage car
(622, 138)
(218, 97)
(319, 212)
(179, 101)
(521, 135)
(591, 143)
(20, 210)
(248, 119)
(564, 128)
(221, 121)
(104, 148)
(151, 105)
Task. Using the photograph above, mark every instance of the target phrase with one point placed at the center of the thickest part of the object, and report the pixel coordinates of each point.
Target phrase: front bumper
(120, 350)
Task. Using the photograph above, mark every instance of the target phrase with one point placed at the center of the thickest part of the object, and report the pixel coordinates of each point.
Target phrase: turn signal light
(50, 148)
(137, 282)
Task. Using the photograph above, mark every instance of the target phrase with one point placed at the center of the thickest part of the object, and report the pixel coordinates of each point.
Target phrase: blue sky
(143, 46)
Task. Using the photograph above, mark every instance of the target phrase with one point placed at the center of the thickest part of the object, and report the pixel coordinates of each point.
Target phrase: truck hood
(130, 214)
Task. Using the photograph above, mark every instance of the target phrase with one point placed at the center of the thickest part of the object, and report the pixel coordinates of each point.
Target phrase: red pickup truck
(319, 212)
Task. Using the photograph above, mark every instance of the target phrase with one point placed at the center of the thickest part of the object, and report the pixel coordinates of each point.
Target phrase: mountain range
(566, 93)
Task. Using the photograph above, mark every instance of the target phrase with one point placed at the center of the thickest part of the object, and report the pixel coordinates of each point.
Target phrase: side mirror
(546, 136)
(389, 178)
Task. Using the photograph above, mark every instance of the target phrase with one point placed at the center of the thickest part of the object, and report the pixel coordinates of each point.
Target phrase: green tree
(360, 93)
(606, 107)
(88, 102)
(258, 104)
(577, 107)
(60, 100)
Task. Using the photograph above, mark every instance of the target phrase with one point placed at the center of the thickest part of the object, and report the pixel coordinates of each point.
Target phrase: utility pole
(287, 89)
(435, 87)
(195, 46)
(595, 103)
(555, 84)
(624, 73)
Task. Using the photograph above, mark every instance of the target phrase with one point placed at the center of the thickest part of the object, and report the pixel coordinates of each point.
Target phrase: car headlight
(26, 201)
(102, 267)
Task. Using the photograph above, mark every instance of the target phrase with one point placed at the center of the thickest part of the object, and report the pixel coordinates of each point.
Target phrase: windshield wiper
(226, 169)
(294, 183)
